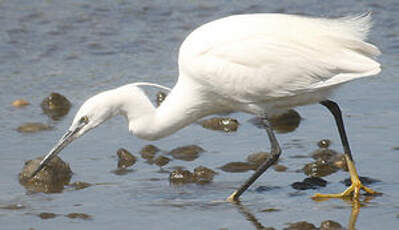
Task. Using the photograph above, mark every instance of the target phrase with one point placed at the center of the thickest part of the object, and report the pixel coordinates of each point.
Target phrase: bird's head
(128, 100)
(91, 114)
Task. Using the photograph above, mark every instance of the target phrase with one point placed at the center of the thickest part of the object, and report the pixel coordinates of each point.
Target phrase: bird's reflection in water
(249, 216)
(355, 203)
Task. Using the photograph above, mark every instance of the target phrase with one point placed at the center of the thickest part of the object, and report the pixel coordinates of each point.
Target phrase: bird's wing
(262, 64)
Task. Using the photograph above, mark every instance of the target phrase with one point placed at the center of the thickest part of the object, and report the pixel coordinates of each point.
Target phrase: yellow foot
(232, 198)
(353, 190)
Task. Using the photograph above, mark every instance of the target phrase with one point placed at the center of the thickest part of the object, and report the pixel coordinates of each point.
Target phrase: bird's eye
(84, 119)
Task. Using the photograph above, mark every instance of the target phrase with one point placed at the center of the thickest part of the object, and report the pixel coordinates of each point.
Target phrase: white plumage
(265, 57)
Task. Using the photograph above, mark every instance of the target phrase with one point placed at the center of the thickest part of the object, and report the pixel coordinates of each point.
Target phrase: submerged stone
(363, 179)
(78, 185)
(265, 188)
(280, 168)
(47, 215)
(16, 206)
(286, 122)
(270, 210)
(309, 183)
(238, 167)
(258, 158)
(186, 153)
(76, 215)
(225, 124)
(324, 154)
(148, 152)
(125, 158)
(32, 127)
(55, 106)
(51, 179)
(121, 171)
(302, 186)
(316, 181)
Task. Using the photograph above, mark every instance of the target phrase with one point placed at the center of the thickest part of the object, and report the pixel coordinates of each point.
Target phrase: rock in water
(148, 152)
(225, 124)
(33, 127)
(203, 175)
(125, 158)
(55, 106)
(160, 97)
(51, 179)
(186, 153)
(181, 176)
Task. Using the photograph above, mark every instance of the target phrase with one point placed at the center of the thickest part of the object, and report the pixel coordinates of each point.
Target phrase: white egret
(262, 64)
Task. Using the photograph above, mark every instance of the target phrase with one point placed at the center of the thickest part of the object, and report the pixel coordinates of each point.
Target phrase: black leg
(356, 183)
(335, 110)
(275, 152)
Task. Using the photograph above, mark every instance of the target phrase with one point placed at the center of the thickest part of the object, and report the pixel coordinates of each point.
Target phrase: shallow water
(78, 48)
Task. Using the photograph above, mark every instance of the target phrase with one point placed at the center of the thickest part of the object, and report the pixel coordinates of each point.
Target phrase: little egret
(262, 64)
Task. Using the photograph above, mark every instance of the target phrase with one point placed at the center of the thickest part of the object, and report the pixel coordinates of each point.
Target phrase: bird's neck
(182, 106)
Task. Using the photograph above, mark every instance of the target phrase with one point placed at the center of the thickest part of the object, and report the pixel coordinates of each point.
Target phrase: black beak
(62, 143)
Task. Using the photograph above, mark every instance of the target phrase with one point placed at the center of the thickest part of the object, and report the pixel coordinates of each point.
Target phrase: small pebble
(324, 154)
(161, 161)
(286, 122)
(78, 185)
(258, 158)
(238, 167)
(121, 171)
(224, 124)
(20, 103)
(319, 168)
(330, 225)
(271, 210)
(186, 153)
(125, 158)
(309, 183)
(82, 216)
(203, 175)
(302, 225)
(302, 186)
(160, 97)
(264, 188)
(280, 168)
(325, 143)
(13, 206)
(47, 215)
(181, 176)
(317, 181)
(33, 127)
(148, 152)
(55, 106)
